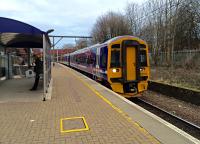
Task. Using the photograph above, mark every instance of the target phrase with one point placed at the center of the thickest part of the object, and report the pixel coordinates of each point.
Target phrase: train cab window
(142, 46)
(143, 58)
(115, 46)
(115, 58)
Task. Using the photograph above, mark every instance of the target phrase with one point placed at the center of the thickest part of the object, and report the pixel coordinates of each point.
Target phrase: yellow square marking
(73, 130)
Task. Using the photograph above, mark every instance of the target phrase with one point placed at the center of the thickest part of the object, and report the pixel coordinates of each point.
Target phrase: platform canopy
(14, 33)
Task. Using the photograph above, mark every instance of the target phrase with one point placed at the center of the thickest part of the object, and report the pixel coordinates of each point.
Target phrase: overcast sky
(66, 17)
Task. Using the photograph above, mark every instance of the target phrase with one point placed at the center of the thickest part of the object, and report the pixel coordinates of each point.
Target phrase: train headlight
(142, 69)
(114, 70)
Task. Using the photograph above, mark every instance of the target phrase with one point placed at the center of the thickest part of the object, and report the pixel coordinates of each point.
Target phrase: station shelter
(16, 34)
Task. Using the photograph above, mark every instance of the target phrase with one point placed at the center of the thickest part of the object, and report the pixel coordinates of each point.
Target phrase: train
(122, 63)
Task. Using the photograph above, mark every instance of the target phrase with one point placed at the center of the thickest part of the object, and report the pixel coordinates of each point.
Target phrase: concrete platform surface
(81, 112)
(17, 90)
(159, 128)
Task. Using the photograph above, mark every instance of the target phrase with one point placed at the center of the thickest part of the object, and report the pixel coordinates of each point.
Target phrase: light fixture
(114, 70)
(142, 69)
(49, 31)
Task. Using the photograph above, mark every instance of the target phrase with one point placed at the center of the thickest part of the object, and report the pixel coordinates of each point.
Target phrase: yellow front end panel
(114, 73)
(117, 87)
(142, 86)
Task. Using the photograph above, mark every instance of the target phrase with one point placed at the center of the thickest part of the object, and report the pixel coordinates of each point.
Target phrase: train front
(128, 65)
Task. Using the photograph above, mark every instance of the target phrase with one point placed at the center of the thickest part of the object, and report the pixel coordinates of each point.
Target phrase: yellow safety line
(73, 130)
(128, 118)
(85, 123)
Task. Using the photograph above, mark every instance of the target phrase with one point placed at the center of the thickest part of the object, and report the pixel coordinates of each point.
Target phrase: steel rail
(190, 124)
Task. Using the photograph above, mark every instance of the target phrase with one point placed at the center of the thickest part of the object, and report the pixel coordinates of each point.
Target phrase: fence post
(44, 67)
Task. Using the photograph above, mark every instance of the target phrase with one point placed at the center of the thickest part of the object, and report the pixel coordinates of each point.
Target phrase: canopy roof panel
(14, 33)
(13, 26)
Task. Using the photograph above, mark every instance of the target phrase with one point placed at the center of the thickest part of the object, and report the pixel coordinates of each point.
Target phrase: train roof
(118, 37)
(104, 44)
(87, 48)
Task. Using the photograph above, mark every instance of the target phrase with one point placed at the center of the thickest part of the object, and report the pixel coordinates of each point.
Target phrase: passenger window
(143, 58)
(115, 58)
(103, 57)
(90, 60)
(104, 61)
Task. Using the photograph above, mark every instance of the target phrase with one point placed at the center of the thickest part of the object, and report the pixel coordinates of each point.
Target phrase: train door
(97, 62)
(130, 63)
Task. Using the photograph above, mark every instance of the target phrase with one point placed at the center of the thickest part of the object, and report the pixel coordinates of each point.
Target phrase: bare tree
(68, 46)
(110, 25)
(81, 43)
(167, 25)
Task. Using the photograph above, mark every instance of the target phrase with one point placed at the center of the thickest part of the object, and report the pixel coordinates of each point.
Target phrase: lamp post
(49, 31)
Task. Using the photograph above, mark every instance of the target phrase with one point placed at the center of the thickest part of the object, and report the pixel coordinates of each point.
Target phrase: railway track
(185, 125)
(184, 94)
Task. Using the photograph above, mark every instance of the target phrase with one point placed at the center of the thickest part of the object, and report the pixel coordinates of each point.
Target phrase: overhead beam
(64, 36)
(54, 44)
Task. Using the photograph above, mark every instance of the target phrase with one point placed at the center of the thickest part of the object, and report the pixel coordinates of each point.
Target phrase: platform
(82, 111)
(18, 90)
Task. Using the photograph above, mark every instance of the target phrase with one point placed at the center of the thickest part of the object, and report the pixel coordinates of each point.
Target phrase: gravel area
(180, 108)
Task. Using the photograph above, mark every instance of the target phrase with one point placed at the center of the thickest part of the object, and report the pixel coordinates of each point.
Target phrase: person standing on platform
(38, 69)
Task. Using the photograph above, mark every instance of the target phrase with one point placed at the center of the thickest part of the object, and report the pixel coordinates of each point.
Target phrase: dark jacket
(38, 69)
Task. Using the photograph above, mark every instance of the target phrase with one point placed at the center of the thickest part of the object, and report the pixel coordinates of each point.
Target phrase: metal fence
(177, 58)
